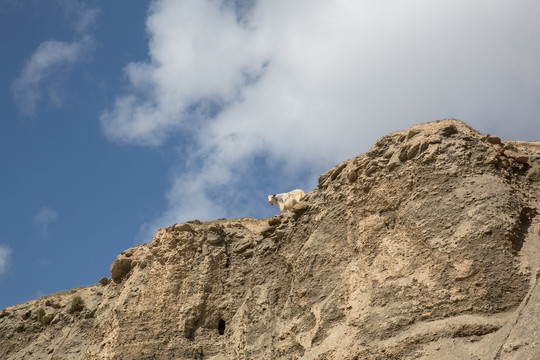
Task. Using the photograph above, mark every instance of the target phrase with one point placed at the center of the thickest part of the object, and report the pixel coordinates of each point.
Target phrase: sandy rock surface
(425, 247)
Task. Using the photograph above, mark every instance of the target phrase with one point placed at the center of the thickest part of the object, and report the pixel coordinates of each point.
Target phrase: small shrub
(196, 222)
(40, 314)
(77, 304)
(511, 146)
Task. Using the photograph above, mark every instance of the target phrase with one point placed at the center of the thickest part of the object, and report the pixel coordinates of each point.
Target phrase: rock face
(425, 247)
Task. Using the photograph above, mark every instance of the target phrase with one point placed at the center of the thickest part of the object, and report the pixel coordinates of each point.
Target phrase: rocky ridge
(425, 247)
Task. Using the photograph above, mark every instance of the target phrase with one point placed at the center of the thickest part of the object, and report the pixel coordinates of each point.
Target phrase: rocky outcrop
(425, 247)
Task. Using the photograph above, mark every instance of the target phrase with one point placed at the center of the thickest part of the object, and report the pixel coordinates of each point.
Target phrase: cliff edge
(425, 247)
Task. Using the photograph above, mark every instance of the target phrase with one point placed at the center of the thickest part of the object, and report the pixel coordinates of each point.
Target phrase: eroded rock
(431, 249)
(120, 268)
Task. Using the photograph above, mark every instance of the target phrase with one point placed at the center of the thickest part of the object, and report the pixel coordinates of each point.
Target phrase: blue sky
(119, 117)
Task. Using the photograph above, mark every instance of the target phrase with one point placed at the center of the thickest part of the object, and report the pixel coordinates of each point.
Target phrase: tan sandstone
(425, 247)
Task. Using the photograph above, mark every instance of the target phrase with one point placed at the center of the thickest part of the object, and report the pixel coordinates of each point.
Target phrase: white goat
(286, 201)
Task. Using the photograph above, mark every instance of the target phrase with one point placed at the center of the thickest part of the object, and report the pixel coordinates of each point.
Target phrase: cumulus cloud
(44, 217)
(53, 58)
(5, 255)
(270, 93)
(201, 58)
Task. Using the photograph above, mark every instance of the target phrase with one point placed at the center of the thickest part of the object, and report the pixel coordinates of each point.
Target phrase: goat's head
(271, 199)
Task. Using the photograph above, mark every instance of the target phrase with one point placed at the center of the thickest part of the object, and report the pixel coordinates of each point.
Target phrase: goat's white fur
(286, 201)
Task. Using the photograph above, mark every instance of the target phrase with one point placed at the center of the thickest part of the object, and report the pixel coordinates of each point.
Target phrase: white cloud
(53, 58)
(44, 217)
(5, 255)
(86, 19)
(83, 18)
(294, 87)
(201, 58)
(50, 59)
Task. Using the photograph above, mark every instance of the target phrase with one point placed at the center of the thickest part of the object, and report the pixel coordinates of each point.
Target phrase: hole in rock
(221, 326)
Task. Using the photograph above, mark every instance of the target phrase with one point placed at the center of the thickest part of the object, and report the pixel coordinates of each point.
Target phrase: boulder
(183, 227)
(517, 156)
(534, 174)
(495, 140)
(214, 238)
(448, 130)
(120, 268)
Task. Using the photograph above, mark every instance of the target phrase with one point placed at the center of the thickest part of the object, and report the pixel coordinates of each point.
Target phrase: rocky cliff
(425, 247)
